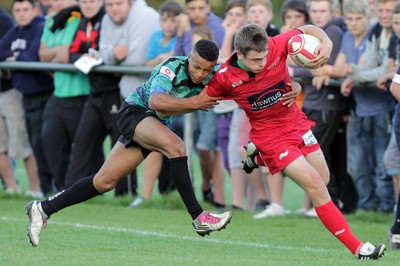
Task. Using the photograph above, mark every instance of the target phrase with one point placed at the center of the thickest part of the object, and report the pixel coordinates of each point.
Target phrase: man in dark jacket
(21, 43)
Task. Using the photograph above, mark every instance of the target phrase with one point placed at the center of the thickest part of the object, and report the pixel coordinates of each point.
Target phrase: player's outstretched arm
(324, 50)
(165, 104)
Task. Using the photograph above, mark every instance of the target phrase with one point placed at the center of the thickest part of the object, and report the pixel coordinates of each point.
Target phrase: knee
(103, 184)
(313, 188)
(317, 184)
(326, 177)
(318, 192)
(176, 149)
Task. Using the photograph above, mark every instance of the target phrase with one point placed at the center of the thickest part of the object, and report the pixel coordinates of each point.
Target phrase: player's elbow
(155, 103)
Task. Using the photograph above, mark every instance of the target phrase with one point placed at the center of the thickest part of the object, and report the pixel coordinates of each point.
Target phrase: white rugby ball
(301, 49)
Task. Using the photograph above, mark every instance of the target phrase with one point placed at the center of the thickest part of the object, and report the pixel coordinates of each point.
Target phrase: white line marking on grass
(169, 235)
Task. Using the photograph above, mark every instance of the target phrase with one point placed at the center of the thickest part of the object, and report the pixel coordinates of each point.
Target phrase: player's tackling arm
(165, 104)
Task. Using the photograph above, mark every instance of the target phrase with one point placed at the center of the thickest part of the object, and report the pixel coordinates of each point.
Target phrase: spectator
(100, 108)
(22, 44)
(162, 45)
(162, 42)
(260, 12)
(391, 157)
(64, 108)
(373, 16)
(44, 7)
(394, 231)
(323, 105)
(235, 17)
(125, 23)
(228, 121)
(352, 49)
(294, 14)
(372, 10)
(206, 137)
(257, 190)
(371, 124)
(6, 23)
(199, 15)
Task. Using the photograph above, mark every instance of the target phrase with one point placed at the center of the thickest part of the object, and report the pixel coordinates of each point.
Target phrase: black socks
(79, 192)
(84, 190)
(183, 183)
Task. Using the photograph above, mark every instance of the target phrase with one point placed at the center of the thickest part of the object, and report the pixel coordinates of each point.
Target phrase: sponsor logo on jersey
(168, 72)
(237, 83)
(283, 154)
(268, 97)
(274, 64)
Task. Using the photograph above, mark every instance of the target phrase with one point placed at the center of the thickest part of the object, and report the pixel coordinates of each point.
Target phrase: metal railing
(40, 66)
(133, 70)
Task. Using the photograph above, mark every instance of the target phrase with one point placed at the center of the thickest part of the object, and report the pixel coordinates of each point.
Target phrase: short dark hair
(171, 8)
(235, 3)
(298, 5)
(251, 37)
(20, 1)
(206, 49)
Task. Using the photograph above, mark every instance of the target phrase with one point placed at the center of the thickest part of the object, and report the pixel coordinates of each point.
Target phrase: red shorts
(278, 149)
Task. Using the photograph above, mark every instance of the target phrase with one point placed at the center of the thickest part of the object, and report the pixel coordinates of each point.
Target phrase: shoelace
(208, 218)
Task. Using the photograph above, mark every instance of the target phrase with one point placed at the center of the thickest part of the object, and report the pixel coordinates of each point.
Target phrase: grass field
(103, 231)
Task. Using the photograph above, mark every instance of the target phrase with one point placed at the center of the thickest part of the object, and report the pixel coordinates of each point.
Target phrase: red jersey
(274, 125)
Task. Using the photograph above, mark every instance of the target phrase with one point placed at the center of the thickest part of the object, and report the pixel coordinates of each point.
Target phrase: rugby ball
(301, 49)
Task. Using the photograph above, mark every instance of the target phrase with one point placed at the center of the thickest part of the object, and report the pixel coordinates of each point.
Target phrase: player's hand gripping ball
(301, 49)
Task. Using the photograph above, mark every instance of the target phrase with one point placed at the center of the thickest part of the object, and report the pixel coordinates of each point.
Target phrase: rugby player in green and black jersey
(174, 87)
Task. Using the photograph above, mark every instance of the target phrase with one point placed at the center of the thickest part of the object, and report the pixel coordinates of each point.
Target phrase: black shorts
(128, 118)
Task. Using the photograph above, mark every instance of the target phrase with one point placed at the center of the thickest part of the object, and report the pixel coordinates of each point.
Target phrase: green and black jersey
(172, 77)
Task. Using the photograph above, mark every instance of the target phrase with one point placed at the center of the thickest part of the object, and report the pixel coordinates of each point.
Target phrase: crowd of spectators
(57, 122)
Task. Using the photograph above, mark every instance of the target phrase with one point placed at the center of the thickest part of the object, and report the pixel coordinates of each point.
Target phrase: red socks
(335, 222)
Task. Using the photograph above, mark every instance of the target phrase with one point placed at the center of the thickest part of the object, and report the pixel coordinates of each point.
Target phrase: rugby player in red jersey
(256, 77)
